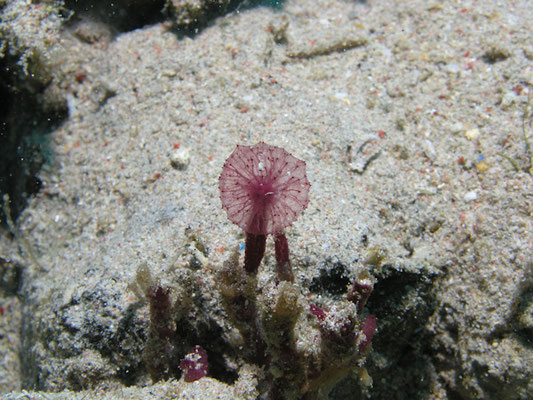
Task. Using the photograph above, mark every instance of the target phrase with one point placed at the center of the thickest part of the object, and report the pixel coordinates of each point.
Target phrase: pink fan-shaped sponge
(263, 188)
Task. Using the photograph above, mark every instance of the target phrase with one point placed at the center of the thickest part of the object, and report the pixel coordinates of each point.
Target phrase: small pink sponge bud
(318, 312)
(263, 188)
(195, 365)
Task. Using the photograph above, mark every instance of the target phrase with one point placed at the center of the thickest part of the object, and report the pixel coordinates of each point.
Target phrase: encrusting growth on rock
(263, 189)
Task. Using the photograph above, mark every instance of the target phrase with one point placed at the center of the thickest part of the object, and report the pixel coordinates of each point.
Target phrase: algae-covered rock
(189, 13)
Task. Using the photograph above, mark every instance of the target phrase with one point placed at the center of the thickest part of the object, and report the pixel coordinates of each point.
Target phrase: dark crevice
(119, 16)
(25, 124)
(403, 340)
(333, 280)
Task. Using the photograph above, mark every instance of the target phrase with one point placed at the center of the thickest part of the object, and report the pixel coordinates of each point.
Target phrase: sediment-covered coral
(302, 349)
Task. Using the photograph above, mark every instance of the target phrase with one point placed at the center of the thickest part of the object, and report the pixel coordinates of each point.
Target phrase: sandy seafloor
(410, 117)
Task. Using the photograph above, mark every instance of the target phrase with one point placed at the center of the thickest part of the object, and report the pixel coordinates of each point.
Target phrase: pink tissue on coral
(263, 188)
(195, 365)
(318, 312)
(369, 328)
(281, 247)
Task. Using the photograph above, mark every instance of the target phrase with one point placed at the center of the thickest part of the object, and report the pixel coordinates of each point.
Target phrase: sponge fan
(263, 188)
